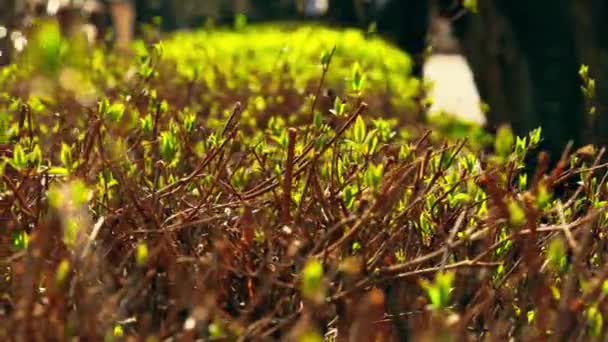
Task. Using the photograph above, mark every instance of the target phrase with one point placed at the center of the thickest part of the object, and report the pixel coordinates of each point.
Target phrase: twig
(287, 184)
(450, 241)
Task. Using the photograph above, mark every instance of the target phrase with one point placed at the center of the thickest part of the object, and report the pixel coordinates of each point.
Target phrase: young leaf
(63, 271)
(168, 145)
(312, 280)
(66, 155)
(517, 216)
(19, 159)
(146, 123)
(543, 197)
(595, 321)
(535, 136)
(141, 254)
(349, 196)
(318, 120)
(439, 292)
(35, 157)
(20, 240)
(115, 112)
(358, 78)
(360, 130)
(556, 255)
(504, 141)
(471, 5)
(4, 126)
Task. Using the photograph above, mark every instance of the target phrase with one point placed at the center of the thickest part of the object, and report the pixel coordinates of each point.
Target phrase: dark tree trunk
(526, 64)
(499, 67)
(592, 42)
(344, 12)
(407, 23)
(7, 20)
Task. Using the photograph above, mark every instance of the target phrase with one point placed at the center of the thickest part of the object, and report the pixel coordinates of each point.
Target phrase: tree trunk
(344, 12)
(593, 48)
(407, 23)
(7, 16)
(525, 62)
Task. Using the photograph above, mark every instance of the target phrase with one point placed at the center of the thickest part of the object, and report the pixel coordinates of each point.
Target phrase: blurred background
(492, 62)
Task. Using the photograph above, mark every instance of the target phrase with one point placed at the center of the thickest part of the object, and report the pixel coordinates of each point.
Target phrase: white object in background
(454, 91)
(315, 7)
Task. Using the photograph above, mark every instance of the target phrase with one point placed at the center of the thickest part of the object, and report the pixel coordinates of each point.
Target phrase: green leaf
(439, 292)
(312, 280)
(4, 127)
(240, 21)
(372, 28)
(605, 287)
(373, 175)
(349, 196)
(556, 255)
(66, 156)
(530, 315)
(141, 254)
(358, 78)
(543, 197)
(63, 270)
(59, 171)
(521, 145)
(146, 123)
(471, 5)
(216, 331)
(360, 130)
(20, 240)
(535, 136)
(595, 321)
(325, 59)
(189, 121)
(339, 107)
(318, 119)
(35, 157)
(522, 181)
(584, 71)
(372, 143)
(115, 112)
(356, 247)
(168, 146)
(517, 216)
(19, 158)
(164, 107)
(158, 49)
(311, 336)
(118, 331)
(459, 198)
(504, 141)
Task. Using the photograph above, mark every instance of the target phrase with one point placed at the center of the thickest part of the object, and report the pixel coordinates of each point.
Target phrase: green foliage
(141, 254)
(588, 88)
(439, 291)
(517, 215)
(471, 5)
(595, 321)
(62, 273)
(556, 255)
(504, 141)
(20, 240)
(312, 286)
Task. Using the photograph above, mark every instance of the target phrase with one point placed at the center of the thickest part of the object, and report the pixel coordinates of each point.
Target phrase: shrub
(193, 192)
